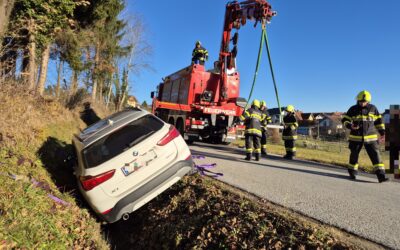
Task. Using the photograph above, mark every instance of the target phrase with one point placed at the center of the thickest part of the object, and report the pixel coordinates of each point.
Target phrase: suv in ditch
(127, 159)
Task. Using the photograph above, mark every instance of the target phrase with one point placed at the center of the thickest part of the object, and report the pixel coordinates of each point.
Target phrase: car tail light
(89, 182)
(107, 211)
(172, 134)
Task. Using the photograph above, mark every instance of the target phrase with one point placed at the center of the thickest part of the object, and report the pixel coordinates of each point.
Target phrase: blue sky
(324, 52)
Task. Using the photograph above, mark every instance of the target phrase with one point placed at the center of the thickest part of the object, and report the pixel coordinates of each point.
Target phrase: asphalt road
(363, 207)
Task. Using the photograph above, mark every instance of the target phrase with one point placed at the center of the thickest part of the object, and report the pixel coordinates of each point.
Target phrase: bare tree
(43, 69)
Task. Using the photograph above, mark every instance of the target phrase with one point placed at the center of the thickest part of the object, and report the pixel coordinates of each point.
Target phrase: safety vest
(252, 118)
(368, 119)
(290, 129)
(199, 54)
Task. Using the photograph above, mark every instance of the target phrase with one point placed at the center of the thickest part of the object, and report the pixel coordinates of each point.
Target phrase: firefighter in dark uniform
(363, 119)
(199, 54)
(266, 120)
(252, 118)
(289, 134)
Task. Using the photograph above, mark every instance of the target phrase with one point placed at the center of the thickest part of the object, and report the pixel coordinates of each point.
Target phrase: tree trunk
(32, 57)
(121, 102)
(100, 83)
(43, 70)
(96, 62)
(6, 6)
(74, 83)
(59, 73)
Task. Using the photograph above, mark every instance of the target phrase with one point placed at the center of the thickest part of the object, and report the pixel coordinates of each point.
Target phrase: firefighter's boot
(257, 156)
(248, 157)
(381, 175)
(352, 173)
(264, 152)
(288, 156)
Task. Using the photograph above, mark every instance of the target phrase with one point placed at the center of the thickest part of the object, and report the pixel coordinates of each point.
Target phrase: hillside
(35, 137)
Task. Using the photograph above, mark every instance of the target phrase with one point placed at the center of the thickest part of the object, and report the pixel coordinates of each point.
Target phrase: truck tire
(180, 127)
(171, 121)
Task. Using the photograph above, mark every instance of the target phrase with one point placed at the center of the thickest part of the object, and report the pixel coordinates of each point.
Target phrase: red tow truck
(203, 104)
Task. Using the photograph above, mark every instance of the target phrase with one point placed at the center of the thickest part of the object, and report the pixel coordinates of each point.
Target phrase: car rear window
(120, 140)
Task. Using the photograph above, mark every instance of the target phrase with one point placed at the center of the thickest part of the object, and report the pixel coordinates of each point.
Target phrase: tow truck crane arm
(236, 15)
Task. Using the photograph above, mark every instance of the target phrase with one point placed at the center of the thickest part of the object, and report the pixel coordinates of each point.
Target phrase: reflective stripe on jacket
(290, 130)
(266, 119)
(252, 119)
(368, 119)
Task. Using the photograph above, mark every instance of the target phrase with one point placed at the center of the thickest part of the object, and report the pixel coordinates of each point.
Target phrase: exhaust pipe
(125, 216)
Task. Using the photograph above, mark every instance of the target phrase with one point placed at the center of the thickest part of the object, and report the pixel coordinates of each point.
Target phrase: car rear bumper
(148, 191)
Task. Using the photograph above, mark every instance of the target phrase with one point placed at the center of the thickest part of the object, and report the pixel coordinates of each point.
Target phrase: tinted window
(103, 123)
(120, 140)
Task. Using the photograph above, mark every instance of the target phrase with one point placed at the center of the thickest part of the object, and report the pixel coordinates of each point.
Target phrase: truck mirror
(152, 94)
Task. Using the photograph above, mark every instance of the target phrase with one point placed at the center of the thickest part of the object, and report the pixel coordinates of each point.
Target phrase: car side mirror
(152, 94)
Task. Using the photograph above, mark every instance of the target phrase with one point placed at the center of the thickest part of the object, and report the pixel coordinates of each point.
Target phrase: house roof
(307, 116)
(335, 117)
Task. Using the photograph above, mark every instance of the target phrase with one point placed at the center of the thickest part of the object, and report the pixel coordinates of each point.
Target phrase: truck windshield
(120, 140)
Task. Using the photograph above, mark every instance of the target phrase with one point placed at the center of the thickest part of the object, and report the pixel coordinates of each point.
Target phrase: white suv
(127, 159)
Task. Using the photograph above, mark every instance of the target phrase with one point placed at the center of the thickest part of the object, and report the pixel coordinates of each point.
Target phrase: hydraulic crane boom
(236, 16)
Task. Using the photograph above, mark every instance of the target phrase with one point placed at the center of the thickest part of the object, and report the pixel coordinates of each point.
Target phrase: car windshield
(120, 140)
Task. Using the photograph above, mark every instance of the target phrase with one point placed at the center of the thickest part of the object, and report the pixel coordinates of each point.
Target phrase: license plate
(130, 168)
(135, 165)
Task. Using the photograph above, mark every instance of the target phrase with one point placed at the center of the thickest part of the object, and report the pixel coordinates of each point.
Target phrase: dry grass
(33, 130)
(24, 116)
(201, 213)
(331, 153)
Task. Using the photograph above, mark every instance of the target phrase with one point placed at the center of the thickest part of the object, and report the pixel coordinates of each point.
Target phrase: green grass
(28, 217)
(325, 152)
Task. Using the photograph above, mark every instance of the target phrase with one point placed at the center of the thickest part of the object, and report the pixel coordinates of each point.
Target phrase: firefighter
(199, 54)
(252, 118)
(266, 121)
(363, 119)
(289, 134)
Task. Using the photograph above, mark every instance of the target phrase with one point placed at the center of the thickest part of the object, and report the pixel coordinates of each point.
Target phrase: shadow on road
(307, 171)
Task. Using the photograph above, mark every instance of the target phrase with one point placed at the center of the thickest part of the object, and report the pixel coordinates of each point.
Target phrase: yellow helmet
(290, 108)
(263, 104)
(256, 103)
(364, 96)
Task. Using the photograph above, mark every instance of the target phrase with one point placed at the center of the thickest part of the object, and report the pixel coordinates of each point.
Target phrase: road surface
(363, 207)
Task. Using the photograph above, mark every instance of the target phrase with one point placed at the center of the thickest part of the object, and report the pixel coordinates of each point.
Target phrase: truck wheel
(190, 140)
(179, 126)
(171, 121)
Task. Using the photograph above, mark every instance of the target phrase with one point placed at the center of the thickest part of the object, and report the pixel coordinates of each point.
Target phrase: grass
(201, 213)
(35, 138)
(324, 152)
